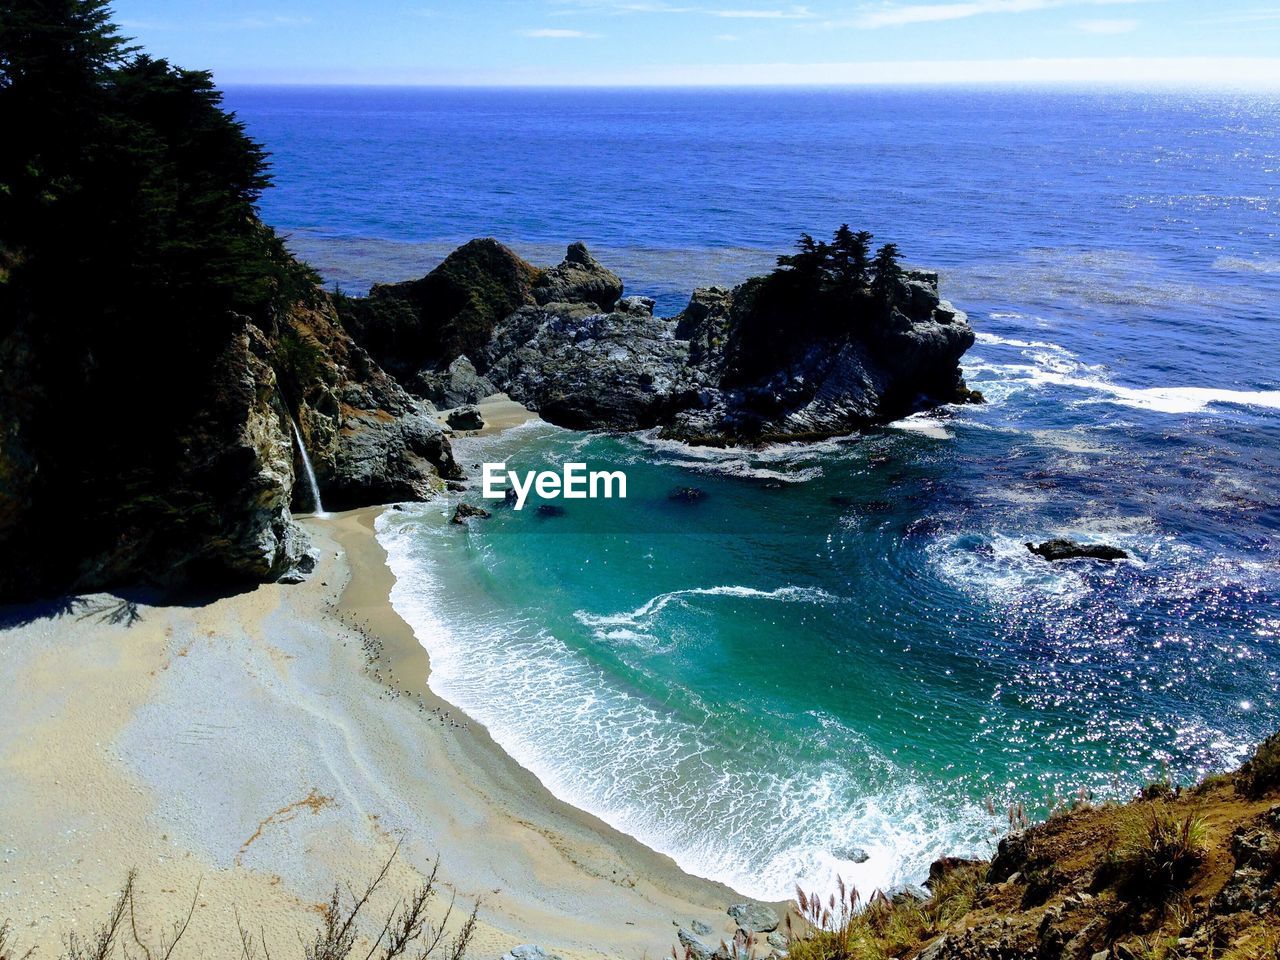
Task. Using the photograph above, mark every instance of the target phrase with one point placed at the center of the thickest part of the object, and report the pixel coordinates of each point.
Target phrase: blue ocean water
(846, 645)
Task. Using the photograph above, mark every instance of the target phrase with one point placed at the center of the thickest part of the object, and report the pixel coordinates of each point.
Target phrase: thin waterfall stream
(309, 470)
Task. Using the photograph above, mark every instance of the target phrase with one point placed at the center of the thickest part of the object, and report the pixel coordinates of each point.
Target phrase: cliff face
(567, 343)
(206, 490)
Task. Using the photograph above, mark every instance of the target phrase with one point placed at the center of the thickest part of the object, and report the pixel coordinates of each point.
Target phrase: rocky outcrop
(214, 500)
(465, 418)
(585, 357)
(579, 279)
(425, 324)
(369, 439)
(1071, 550)
(618, 371)
(458, 384)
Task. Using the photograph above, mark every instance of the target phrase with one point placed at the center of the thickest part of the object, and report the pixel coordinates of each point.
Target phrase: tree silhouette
(849, 254)
(887, 272)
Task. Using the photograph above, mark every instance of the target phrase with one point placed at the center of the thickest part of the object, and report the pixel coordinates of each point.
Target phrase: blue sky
(1197, 42)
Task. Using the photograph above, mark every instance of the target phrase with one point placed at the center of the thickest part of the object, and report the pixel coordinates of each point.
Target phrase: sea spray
(309, 471)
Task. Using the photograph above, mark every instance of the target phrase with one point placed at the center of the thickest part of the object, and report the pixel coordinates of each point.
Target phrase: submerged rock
(852, 854)
(465, 511)
(1071, 550)
(687, 494)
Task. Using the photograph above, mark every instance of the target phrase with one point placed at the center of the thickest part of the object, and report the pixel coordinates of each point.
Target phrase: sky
(1234, 43)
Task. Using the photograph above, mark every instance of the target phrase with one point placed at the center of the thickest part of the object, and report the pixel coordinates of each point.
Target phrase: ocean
(842, 659)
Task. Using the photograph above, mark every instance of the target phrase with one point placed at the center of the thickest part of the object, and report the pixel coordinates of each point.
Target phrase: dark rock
(852, 854)
(451, 312)
(700, 928)
(529, 951)
(465, 511)
(687, 494)
(943, 866)
(455, 386)
(617, 371)
(549, 510)
(465, 418)
(1071, 550)
(579, 279)
(754, 917)
(569, 347)
(640, 306)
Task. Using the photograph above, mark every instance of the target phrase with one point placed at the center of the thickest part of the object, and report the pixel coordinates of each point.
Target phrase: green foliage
(450, 312)
(1157, 856)
(132, 249)
(1262, 773)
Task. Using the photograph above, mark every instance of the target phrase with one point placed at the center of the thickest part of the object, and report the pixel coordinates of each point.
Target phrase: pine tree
(810, 262)
(887, 272)
(849, 254)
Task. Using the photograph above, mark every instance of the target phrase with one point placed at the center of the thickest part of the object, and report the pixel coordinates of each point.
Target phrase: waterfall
(309, 470)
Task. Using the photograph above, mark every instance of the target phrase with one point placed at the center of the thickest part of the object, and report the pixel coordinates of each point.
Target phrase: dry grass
(1159, 853)
(842, 927)
(402, 932)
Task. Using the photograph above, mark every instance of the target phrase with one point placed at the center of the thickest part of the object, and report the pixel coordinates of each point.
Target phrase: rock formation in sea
(770, 359)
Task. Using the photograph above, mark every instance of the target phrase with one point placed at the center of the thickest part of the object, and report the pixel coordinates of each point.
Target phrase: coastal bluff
(791, 356)
(208, 491)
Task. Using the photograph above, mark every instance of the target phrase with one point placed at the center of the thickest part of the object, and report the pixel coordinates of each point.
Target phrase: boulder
(579, 278)
(616, 371)
(455, 386)
(1071, 550)
(852, 854)
(754, 917)
(640, 306)
(465, 418)
(695, 948)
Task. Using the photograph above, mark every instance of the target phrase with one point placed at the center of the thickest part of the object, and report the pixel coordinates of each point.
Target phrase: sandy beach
(255, 749)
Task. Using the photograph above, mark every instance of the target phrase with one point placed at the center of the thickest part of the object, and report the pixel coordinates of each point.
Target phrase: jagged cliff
(565, 342)
(205, 489)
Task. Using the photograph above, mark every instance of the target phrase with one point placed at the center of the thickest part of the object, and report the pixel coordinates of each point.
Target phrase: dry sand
(499, 413)
(262, 746)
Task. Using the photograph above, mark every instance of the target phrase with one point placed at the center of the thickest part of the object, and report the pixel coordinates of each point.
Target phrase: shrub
(1262, 772)
(1158, 854)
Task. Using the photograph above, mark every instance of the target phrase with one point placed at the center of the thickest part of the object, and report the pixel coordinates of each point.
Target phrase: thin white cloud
(898, 15)
(727, 37)
(1106, 27)
(1261, 15)
(793, 13)
(1130, 73)
(555, 33)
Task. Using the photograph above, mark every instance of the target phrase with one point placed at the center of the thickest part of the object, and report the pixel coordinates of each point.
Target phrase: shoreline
(234, 747)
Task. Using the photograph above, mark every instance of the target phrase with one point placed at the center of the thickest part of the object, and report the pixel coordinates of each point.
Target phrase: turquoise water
(846, 645)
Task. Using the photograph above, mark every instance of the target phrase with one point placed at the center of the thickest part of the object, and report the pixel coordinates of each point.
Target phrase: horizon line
(1257, 74)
